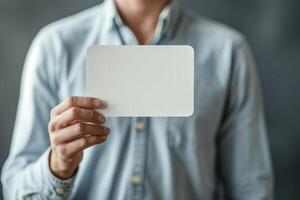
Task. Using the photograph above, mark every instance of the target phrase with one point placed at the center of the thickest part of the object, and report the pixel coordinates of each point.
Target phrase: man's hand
(74, 126)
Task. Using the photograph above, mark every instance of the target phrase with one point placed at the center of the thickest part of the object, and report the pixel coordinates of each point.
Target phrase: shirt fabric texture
(220, 152)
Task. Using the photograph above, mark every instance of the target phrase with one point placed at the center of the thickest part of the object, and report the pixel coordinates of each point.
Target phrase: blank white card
(152, 81)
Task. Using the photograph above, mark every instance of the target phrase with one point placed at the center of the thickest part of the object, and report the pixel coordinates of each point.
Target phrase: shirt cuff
(56, 188)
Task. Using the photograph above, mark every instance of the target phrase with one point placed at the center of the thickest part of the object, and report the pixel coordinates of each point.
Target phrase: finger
(77, 131)
(76, 114)
(71, 148)
(75, 101)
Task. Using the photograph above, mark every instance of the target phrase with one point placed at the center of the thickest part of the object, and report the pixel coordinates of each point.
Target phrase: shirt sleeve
(26, 173)
(243, 145)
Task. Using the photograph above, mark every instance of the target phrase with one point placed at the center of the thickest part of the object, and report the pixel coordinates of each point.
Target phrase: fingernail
(104, 104)
(96, 102)
(101, 119)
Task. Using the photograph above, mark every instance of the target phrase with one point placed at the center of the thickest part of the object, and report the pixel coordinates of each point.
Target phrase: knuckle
(91, 114)
(90, 101)
(86, 101)
(71, 101)
(80, 127)
(75, 112)
(51, 127)
(82, 142)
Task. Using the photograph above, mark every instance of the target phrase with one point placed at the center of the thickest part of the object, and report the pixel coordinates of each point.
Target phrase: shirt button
(136, 180)
(139, 126)
(60, 190)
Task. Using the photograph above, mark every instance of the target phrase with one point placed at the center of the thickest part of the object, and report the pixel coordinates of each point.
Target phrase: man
(219, 152)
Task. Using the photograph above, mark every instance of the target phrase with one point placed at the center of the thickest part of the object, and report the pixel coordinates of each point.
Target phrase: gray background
(272, 28)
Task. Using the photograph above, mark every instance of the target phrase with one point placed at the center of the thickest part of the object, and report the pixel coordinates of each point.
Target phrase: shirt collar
(168, 19)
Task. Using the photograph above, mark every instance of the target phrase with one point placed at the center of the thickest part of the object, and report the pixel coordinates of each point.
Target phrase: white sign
(152, 81)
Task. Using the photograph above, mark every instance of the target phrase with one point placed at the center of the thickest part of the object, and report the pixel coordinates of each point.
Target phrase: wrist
(59, 169)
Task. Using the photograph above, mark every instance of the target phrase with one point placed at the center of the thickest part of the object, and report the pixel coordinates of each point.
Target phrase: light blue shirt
(221, 150)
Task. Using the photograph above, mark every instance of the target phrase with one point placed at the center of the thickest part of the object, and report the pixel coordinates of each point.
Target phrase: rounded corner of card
(190, 49)
(90, 49)
(190, 112)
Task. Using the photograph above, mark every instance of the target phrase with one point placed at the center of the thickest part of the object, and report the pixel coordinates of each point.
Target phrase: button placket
(137, 177)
